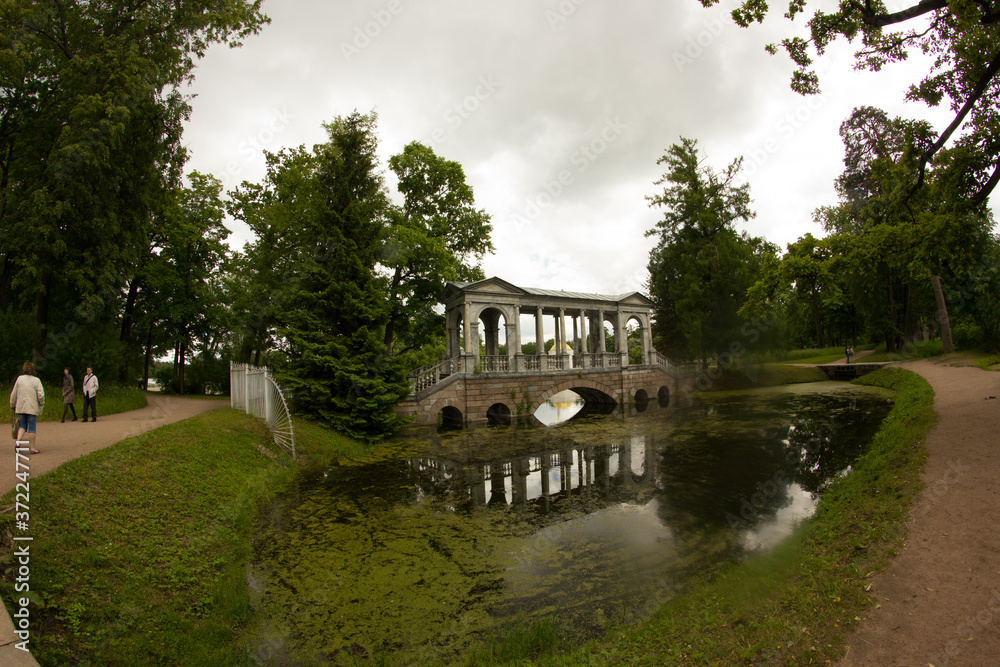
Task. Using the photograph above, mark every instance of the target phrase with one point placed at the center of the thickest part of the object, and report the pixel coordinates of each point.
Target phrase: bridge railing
(493, 363)
(253, 390)
(427, 376)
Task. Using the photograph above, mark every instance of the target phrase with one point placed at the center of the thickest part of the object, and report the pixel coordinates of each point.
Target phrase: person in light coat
(27, 399)
(90, 394)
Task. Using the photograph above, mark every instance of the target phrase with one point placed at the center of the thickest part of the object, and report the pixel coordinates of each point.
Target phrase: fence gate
(254, 390)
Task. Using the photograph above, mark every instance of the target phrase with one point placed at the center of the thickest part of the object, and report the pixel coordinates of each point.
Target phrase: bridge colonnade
(487, 301)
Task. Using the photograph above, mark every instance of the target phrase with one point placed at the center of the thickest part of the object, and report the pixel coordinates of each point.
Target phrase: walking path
(939, 600)
(60, 442)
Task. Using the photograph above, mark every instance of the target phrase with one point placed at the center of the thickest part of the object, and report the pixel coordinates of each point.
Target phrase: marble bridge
(471, 386)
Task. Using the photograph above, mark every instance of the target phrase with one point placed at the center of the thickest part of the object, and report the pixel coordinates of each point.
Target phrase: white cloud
(523, 94)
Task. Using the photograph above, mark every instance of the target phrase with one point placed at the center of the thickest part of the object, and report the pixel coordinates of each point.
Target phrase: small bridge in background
(494, 385)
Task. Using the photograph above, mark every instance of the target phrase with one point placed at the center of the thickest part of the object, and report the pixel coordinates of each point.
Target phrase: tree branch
(974, 96)
(881, 20)
(991, 183)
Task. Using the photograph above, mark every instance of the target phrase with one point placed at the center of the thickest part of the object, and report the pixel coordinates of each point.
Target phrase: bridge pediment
(488, 287)
(636, 299)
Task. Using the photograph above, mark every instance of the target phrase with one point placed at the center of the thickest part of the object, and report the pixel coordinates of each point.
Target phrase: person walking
(68, 395)
(90, 385)
(27, 399)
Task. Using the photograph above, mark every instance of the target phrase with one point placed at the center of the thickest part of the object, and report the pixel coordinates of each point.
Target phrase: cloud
(558, 109)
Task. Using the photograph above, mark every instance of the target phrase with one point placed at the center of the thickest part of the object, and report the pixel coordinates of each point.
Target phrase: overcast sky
(557, 110)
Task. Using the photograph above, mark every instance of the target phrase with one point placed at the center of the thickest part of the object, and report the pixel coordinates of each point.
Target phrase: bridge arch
(592, 391)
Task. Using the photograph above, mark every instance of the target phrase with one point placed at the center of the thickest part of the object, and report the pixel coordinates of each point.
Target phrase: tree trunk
(890, 336)
(907, 330)
(42, 313)
(943, 320)
(149, 356)
(817, 319)
(390, 327)
(5, 275)
(126, 331)
(180, 376)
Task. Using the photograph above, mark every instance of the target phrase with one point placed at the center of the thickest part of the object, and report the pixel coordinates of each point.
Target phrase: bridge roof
(500, 286)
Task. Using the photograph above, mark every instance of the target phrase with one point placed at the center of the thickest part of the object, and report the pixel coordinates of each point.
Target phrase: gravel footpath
(939, 600)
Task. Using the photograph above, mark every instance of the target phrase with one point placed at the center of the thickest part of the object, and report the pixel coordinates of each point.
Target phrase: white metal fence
(254, 390)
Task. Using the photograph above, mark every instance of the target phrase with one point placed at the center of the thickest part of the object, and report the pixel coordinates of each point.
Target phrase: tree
(963, 39)
(437, 235)
(194, 250)
(90, 125)
(280, 211)
(896, 235)
(702, 266)
(333, 323)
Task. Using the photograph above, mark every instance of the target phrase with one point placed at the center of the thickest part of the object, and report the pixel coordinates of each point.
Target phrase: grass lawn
(988, 361)
(140, 549)
(920, 350)
(111, 399)
(761, 375)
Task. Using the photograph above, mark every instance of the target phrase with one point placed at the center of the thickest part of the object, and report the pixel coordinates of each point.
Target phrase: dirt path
(59, 442)
(940, 598)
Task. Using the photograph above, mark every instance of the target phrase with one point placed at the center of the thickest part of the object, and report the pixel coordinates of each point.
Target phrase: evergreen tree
(333, 322)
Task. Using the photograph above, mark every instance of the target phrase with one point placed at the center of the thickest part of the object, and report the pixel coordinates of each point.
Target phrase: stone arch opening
(450, 417)
(498, 414)
(637, 340)
(663, 396)
(492, 332)
(595, 402)
(641, 400)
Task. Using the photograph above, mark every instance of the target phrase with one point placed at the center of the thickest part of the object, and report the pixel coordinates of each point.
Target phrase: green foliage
(91, 144)
(333, 316)
(702, 266)
(436, 235)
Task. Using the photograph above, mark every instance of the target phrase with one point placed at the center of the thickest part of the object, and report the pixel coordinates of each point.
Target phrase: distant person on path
(68, 395)
(847, 353)
(90, 394)
(27, 399)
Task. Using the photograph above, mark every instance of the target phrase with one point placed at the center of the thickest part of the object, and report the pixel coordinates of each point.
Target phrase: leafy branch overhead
(961, 41)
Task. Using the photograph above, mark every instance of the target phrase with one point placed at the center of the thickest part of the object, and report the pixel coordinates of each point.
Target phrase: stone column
(562, 332)
(621, 338)
(539, 332)
(449, 335)
(584, 347)
(513, 342)
(467, 345)
(601, 344)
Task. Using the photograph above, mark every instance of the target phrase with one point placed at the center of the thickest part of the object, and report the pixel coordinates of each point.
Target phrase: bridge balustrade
(427, 376)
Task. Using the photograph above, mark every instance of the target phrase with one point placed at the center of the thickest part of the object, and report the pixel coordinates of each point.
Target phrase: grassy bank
(760, 375)
(111, 399)
(140, 549)
(797, 604)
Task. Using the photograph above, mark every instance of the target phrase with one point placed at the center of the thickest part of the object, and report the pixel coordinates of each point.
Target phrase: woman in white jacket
(27, 399)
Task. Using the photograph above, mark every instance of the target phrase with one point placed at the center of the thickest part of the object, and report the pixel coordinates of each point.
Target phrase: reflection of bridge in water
(592, 473)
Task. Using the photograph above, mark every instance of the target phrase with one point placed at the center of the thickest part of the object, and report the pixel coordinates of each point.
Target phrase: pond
(440, 539)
